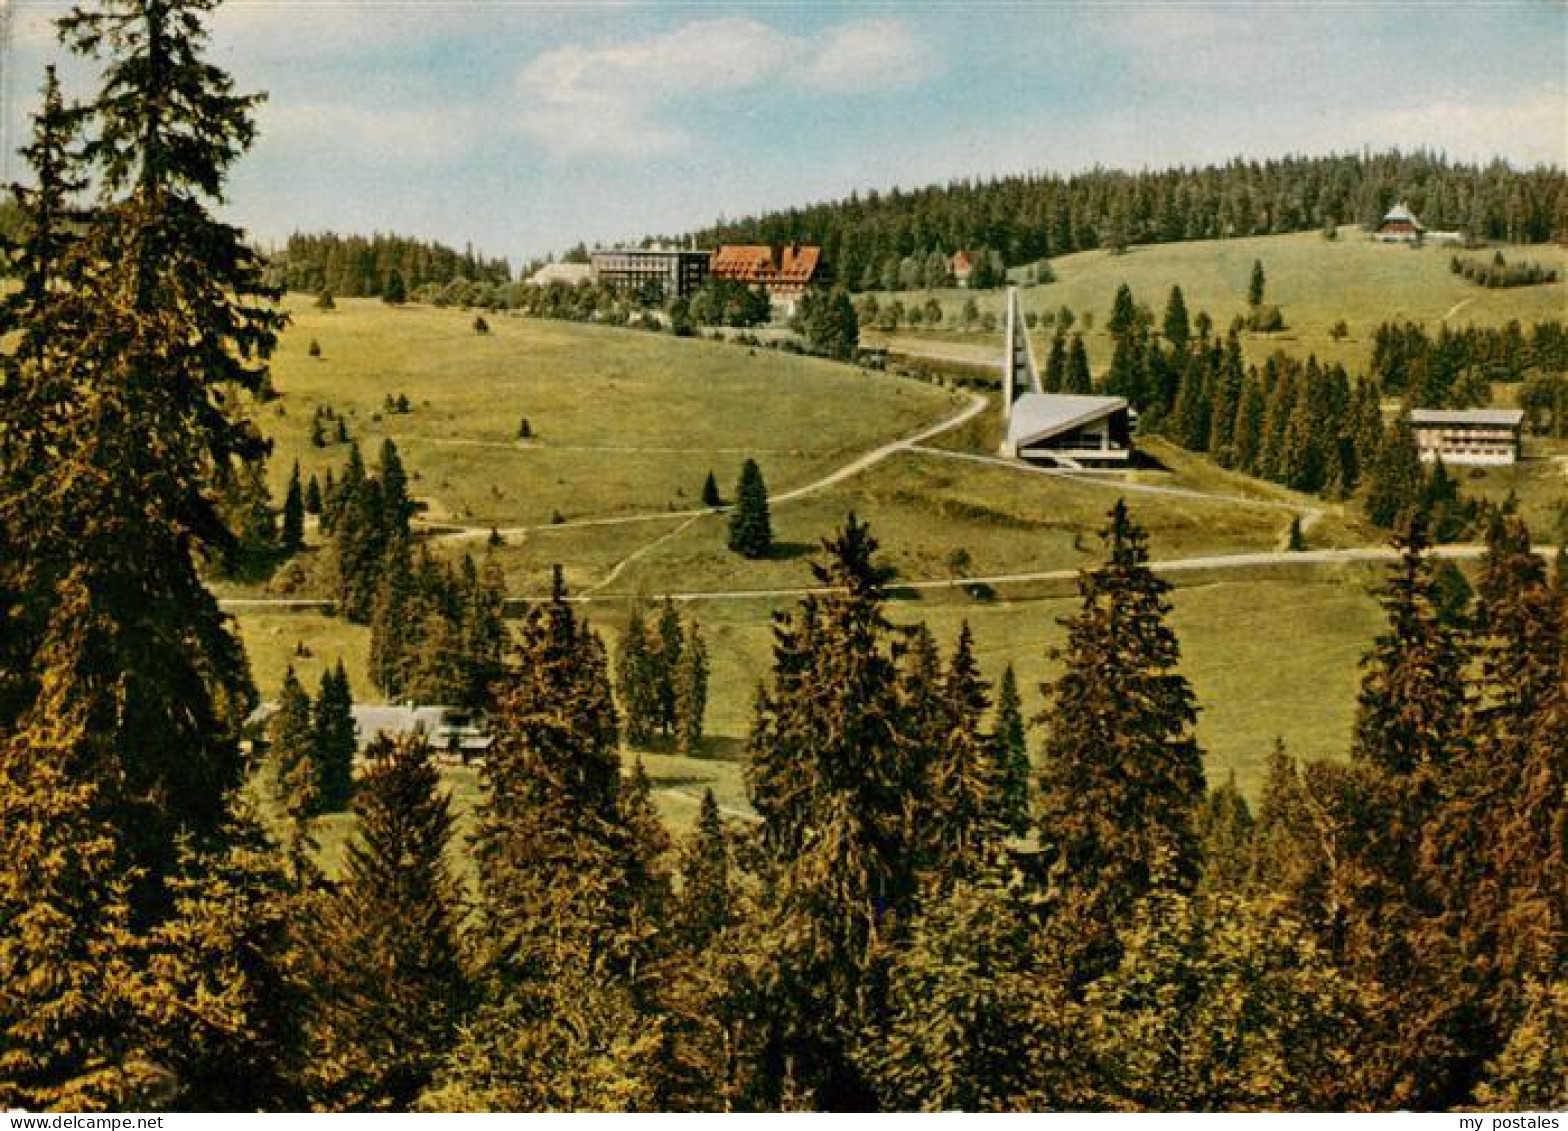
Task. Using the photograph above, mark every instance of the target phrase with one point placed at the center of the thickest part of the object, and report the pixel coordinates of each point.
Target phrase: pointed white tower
(1020, 375)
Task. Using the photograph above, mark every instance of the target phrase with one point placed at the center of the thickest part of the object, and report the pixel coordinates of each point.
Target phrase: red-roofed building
(784, 274)
(962, 266)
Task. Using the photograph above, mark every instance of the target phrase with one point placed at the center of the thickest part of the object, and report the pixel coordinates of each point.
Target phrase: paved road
(1173, 565)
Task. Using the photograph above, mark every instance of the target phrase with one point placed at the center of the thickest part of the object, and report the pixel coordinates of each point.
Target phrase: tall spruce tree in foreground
(1496, 848)
(1121, 773)
(691, 692)
(963, 820)
(385, 961)
(334, 738)
(1011, 753)
(751, 529)
(133, 685)
(566, 920)
(834, 775)
(168, 325)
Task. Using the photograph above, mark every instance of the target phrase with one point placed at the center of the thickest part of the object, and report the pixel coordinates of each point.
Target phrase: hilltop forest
(867, 237)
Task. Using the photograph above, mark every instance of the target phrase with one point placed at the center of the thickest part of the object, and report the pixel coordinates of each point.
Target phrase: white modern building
(1482, 437)
(1061, 429)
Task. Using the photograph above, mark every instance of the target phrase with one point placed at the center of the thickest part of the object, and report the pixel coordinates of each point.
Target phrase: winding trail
(1457, 307)
(456, 532)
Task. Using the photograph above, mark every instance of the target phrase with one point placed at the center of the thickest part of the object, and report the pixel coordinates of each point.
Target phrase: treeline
(349, 266)
(661, 680)
(1501, 273)
(876, 238)
(437, 633)
(920, 921)
(1454, 368)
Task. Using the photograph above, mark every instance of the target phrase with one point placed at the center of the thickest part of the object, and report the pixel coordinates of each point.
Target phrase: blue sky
(524, 127)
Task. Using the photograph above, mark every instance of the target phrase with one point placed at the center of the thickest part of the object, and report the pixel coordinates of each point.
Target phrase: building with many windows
(783, 273)
(1475, 436)
(655, 273)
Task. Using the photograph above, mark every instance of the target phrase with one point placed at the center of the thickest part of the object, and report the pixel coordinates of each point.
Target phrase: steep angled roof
(747, 263)
(1040, 416)
(759, 263)
(1401, 213)
(798, 263)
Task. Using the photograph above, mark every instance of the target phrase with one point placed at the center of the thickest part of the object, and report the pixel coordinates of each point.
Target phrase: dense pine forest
(386, 266)
(918, 916)
(871, 239)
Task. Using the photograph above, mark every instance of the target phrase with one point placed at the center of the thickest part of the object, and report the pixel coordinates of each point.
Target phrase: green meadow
(626, 424)
(1315, 282)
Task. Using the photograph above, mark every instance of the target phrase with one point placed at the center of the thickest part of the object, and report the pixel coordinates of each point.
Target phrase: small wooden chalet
(962, 266)
(1399, 226)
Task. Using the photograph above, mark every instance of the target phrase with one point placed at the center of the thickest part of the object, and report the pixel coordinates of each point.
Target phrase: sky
(525, 127)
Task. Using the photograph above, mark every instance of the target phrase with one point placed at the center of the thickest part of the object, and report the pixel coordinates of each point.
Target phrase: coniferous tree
(1496, 865)
(1121, 774)
(1395, 479)
(389, 987)
(1175, 325)
(834, 782)
(705, 907)
(293, 768)
(972, 1024)
(691, 692)
(710, 492)
(334, 738)
(1011, 745)
(751, 528)
(1055, 375)
(1123, 312)
(1077, 379)
(667, 645)
(131, 687)
(636, 683)
(1412, 703)
(169, 326)
(291, 535)
(963, 820)
(1255, 284)
(561, 1024)
(223, 1000)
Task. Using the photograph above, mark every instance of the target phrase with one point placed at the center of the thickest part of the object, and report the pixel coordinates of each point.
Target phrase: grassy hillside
(628, 423)
(623, 421)
(1315, 282)
(1270, 658)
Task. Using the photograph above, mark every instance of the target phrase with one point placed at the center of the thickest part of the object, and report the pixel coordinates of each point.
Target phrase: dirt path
(1243, 561)
(1457, 307)
(977, 405)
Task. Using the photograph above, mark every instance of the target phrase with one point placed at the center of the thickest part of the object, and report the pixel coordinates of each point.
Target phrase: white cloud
(1532, 129)
(367, 136)
(620, 98)
(875, 54)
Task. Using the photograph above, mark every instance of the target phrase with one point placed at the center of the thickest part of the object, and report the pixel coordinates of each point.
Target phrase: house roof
(442, 726)
(1401, 213)
(962, 263)
(569, 273)
(759, 263)
(1482, 417)
(1040, 416)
